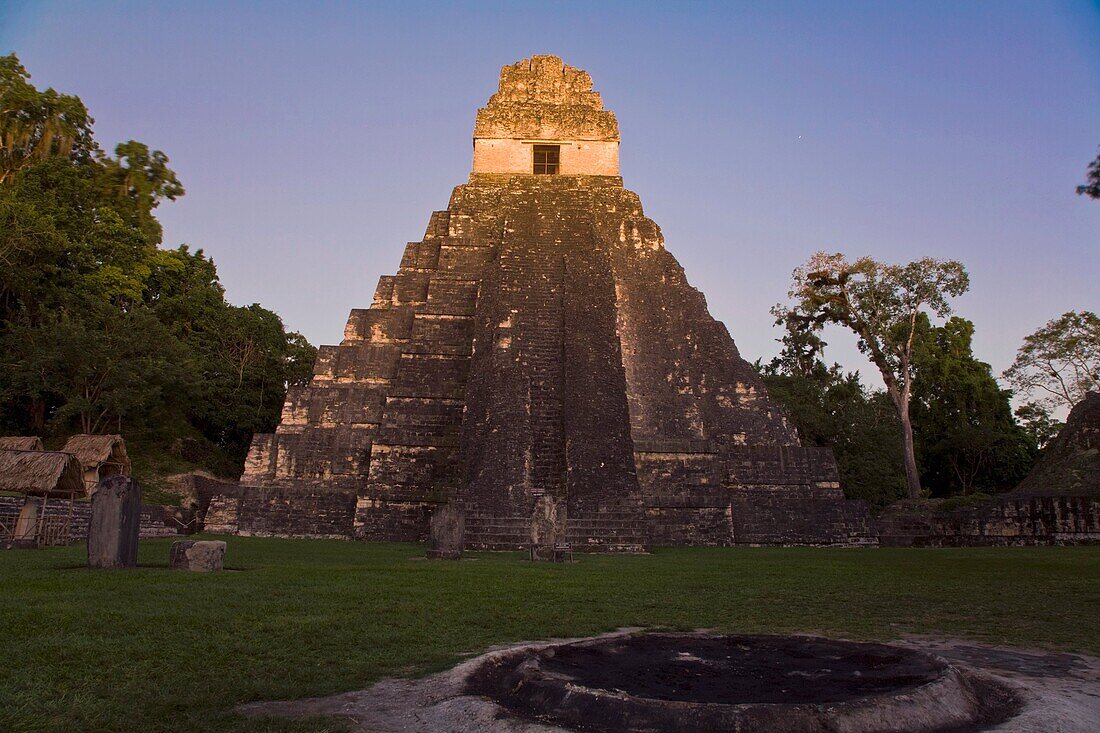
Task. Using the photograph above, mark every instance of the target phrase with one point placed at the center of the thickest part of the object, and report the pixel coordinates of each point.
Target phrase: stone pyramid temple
(540, 364)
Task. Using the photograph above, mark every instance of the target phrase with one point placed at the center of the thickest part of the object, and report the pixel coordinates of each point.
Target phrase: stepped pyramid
(540, 362)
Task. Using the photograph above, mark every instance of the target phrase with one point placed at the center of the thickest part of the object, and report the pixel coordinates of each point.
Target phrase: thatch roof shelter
(100, 456)
(41, 473)
(20, 442)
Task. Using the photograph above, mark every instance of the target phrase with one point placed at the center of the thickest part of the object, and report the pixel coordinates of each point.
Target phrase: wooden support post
(69, 524)
(40, 530)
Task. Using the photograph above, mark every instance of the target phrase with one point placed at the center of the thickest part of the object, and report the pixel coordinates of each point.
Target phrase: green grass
(155, 650)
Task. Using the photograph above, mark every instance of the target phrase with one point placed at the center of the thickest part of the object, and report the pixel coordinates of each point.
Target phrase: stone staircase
(540, 351)
(607, 532)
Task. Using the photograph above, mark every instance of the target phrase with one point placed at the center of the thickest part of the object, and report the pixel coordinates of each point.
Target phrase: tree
(880, 303)
(966, 438)
(100, 328)
(37, 125)
(143, 179)
(70, 234)
(1060, 362)
(248, 360)
(1037, 423)
(834, 409)
(1091, 187)
(95, 370)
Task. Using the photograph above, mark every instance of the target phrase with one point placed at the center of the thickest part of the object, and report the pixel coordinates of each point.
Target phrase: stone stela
(540, 364)
(115, 524)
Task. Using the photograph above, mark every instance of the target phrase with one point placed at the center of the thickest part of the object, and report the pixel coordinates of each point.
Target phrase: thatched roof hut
(19, 442)
(100, 456)
(41, 473)
(96, 450)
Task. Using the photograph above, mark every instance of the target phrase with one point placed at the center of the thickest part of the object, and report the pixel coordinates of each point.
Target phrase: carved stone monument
(548, 529)
(115, 523)
(446, 534)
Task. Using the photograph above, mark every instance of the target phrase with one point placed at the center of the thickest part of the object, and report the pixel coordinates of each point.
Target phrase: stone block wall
(748, 495)
(802, 516)
(393, 520)
(282, 512)
(783, 465)
(586, 157)
(1004, 521)
(156, 520)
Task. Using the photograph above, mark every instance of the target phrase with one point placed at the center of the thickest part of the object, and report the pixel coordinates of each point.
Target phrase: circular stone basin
(699, 682)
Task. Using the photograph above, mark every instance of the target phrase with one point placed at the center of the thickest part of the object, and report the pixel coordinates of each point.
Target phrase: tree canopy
(38, 125)
(100, 328)
(1060, 362)
(881, 304)
(833, 408)
(966, 439)
(1091, 187)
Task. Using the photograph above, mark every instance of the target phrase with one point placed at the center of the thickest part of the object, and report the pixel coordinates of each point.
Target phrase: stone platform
(1049, 691)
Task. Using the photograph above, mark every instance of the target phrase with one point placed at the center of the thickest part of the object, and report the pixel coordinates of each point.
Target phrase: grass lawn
(154, 650)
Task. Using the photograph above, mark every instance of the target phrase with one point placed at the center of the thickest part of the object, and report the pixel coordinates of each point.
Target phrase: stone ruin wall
(156, 520)
(1005, 521)
(577, 158)
(751, 517)
(544, 100)
(281, 512)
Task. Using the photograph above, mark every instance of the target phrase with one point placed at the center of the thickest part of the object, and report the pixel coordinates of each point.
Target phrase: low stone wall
(762, 515)
(748, 495)
(392, 521)
(805, 516)
(281, 512)
(1004, 521)
(704, 513)
(165, 521)
(156, 520)
(198, 488)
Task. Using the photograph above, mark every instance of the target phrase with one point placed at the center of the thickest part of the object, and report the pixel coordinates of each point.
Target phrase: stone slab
(447, 532)
(115, 524)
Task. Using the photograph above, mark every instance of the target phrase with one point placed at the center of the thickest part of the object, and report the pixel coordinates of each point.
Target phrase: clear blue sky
(315, 139)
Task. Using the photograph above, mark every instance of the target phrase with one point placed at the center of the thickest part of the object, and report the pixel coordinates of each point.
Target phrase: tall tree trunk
(900, 397)
(36, 410)
(912, 477)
